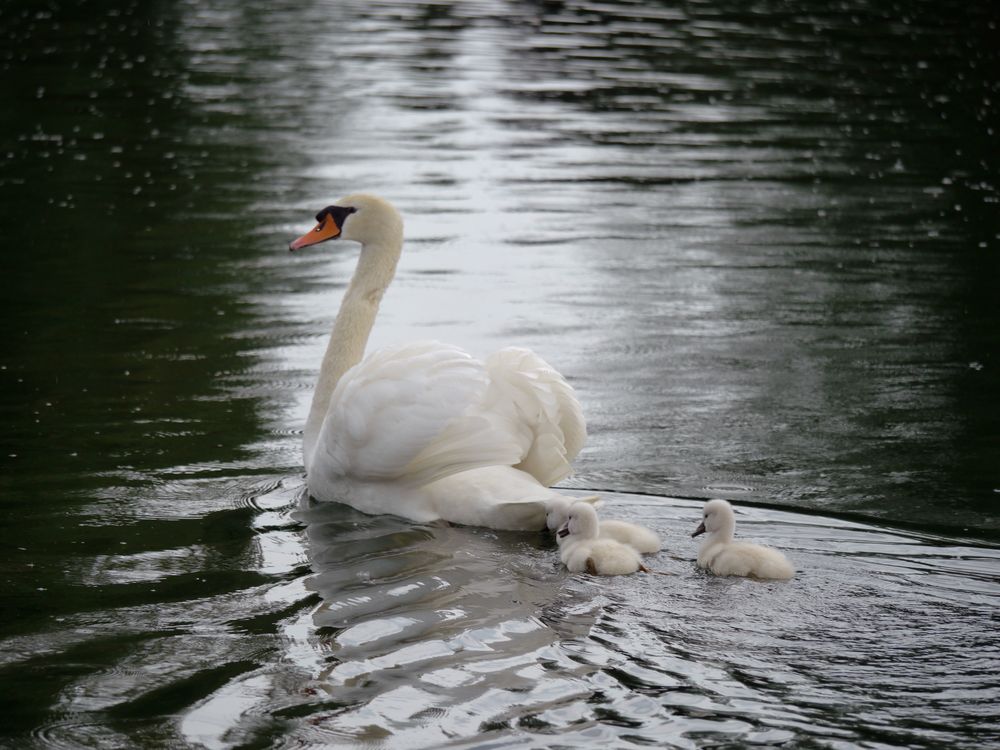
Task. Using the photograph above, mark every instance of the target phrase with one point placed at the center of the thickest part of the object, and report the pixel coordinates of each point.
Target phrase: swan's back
(402, 414)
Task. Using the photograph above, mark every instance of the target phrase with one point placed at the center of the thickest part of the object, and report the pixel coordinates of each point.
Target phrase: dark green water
(760, 240)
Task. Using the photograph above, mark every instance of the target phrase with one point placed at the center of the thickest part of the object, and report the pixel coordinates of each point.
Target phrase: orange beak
(327, 229)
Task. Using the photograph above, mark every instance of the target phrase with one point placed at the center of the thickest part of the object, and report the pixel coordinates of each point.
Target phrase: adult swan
(424, 430)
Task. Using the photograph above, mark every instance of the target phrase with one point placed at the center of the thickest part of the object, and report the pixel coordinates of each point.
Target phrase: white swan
(724, 557)
(423, 430)
(583, 549)
(640, 538)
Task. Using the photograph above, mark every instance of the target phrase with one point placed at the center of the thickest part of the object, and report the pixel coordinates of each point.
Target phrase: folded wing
(542, 411)
(408, 414)
(425, 411)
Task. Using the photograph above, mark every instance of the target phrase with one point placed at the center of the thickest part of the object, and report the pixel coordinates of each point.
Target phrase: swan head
(717, 515)
(360, 217)
(581, 522)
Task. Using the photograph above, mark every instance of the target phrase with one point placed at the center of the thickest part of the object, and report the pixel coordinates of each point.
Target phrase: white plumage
(424, 430)
(722, 556)
(582, 548)
(557, 509)
(639, 537)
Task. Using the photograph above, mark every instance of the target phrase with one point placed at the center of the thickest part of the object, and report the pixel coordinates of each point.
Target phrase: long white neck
(354, 322)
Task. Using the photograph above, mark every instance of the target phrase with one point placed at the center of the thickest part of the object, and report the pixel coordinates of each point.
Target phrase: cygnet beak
(564, 531)
(699, 530)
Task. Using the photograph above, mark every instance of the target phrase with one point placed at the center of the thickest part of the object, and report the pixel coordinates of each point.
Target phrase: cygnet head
(717, 517)
(581, 522)
(360, 217)
(557, 509)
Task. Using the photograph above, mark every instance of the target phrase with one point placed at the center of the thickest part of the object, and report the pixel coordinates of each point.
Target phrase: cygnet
(557, 509)
(719, 554)
(583, 550)
(642, 539)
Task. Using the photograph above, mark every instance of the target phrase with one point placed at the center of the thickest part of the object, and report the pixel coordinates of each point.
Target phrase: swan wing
(541, 412)
(408, 414)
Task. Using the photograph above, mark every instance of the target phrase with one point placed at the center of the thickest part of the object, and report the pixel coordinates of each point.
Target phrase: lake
(760, 240)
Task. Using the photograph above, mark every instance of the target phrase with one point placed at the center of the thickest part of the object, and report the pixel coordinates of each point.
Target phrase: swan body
(583, 549)
(424, 430)
(722, 556)
(640, 538)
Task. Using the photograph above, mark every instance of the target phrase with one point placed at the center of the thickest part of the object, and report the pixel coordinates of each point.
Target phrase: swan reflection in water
(465, 610)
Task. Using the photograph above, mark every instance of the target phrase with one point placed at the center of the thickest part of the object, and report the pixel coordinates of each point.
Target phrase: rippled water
(760, 240)
(376, 630)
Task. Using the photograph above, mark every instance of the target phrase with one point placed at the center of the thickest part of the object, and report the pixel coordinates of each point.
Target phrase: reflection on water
(760, 242)
(433, 636)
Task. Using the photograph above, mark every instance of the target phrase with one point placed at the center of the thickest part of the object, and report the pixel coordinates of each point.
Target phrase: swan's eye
(338, 213)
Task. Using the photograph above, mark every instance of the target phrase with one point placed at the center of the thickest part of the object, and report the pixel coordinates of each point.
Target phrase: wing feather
(546, 417)
(424, 411)
(407, 413)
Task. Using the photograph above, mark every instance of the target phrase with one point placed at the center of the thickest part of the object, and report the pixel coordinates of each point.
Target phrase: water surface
(760, 241)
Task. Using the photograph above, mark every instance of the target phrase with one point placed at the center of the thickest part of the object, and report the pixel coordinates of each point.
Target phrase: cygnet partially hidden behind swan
(582, 549)
(642, 539)
(722, 556)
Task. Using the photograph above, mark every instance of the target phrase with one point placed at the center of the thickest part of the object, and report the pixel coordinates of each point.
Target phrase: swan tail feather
(544, 412)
